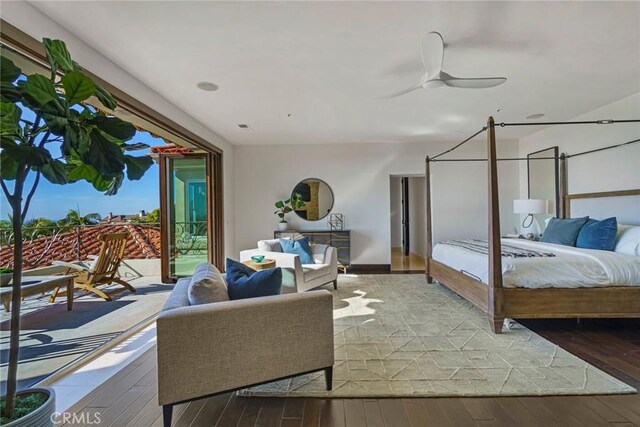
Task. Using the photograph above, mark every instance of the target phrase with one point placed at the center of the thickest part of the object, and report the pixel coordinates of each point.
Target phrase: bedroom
(302, 93)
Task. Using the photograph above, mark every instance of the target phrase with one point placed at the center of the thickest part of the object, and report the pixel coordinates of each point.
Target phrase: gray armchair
(307, 276)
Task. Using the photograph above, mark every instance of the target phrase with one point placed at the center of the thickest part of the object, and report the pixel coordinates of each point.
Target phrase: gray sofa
(208, 349)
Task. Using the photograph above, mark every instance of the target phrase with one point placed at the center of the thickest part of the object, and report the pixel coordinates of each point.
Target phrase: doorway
(188, 194)
(407, 223)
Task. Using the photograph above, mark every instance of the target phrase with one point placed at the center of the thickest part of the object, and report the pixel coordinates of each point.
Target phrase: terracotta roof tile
(143, 242)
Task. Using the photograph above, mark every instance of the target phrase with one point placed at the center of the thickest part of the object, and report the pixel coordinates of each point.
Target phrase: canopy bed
(515, 278)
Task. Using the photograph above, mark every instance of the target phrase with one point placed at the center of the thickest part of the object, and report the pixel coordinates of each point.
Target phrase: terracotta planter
(41, 417)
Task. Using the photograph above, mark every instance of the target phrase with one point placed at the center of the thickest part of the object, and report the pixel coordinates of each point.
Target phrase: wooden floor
(401, 262)
(129, 398)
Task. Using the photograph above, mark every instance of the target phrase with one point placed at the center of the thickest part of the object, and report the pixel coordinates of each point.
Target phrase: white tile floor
(75, 386)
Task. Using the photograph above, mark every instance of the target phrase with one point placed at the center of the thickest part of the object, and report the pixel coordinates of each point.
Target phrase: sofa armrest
(211, 348)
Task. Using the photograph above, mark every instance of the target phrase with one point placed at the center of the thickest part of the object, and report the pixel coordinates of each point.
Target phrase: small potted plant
(6, 274)
(286, 206)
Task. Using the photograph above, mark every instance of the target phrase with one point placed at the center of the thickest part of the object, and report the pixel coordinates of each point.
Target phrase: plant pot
(5, 278)
(41, 416)
(283, 226)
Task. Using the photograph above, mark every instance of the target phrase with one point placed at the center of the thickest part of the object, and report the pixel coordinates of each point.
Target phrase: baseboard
(369, 269)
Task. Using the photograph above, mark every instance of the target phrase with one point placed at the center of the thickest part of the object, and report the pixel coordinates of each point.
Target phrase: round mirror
(312, 199)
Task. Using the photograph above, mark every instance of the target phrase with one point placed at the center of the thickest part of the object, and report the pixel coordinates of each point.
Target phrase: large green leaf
(8, 167)
(81, 170)
(9, 92)
(56, 172)
(9, 71)
(27, 154)
(137, 166)
(114, 127)
(77, 87)
(105, 98)
(76, 137)
(10, 119)
(103, 154)
(38, 90)
(100, 183)
(57, 124)
(58, 54)
(114, 185)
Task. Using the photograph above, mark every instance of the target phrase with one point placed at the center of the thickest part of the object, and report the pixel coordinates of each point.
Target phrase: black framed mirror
(543, 177)
(317, 198)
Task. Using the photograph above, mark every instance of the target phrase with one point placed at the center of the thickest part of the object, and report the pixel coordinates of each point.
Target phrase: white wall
(36, 24)
(395, 191)
(359, 175)
(615, 169)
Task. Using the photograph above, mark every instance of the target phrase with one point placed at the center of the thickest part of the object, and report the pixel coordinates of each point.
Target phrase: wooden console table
(339, 239)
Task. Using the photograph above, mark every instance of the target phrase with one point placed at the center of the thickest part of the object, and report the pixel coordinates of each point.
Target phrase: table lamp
(530, 207)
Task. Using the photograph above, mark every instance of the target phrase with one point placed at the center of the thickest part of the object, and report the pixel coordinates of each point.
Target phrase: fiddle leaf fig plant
(286, 206)
(48, 131)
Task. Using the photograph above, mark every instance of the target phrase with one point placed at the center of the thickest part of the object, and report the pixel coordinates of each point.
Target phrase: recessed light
(535, 116)
(208, 86)
(244, 126)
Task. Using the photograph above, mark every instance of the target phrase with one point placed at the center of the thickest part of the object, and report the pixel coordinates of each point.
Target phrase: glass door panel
(186, 214)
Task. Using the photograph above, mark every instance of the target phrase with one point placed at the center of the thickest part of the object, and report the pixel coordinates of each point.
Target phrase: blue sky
(54, 201)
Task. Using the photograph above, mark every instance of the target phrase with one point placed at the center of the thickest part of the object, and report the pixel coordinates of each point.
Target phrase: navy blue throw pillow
(563, 231)
(298, 247)
(245, 282)
(599, 235)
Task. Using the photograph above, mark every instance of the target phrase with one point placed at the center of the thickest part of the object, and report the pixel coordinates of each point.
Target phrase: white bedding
(570, 268)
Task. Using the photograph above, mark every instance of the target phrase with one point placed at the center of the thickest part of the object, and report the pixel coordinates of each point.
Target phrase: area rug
(398, 336)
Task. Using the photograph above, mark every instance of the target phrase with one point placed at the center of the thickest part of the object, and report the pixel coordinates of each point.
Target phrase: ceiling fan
(432, 58)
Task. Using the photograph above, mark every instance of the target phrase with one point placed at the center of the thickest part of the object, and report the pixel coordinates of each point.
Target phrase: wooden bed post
(564, 202)
(495, 296)
(427, 219)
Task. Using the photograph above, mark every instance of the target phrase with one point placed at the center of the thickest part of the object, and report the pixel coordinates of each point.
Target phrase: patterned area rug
(396, 335)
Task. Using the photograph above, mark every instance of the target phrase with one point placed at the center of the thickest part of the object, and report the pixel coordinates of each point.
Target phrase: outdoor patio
(53, 338)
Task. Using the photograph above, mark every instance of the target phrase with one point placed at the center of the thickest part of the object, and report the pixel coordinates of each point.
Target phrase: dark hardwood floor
(129, 398)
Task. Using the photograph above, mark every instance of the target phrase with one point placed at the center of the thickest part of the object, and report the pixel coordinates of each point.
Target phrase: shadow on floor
(52, 337)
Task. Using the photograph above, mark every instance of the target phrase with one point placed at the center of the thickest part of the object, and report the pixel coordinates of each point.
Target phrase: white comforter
(570, 268)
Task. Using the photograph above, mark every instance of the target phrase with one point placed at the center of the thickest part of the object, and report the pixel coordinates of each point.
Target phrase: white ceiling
(326, 62)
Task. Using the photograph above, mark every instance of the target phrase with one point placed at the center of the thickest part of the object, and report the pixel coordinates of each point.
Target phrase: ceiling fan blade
(432, 53)
(473, 83)
(402, 92)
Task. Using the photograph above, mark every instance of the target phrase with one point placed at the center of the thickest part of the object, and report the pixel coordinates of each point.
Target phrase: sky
(54, 201)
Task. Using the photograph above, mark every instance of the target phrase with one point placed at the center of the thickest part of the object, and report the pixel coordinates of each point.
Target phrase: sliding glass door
(187, 213)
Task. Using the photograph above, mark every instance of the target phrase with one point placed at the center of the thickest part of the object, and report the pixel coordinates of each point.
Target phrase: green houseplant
(283, 207)
(62, 140)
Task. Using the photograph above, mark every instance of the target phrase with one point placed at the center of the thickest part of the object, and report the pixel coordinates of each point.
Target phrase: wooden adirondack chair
(102, 270)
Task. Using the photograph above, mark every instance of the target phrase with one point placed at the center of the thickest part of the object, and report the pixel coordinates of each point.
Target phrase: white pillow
(207, 285)
(628, 240)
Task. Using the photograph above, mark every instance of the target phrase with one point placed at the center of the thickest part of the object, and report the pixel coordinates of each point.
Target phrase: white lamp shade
(530, 206)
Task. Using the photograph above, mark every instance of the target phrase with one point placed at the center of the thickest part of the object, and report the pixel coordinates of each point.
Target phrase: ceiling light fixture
(244, 126)
(208, 86)
(535, 116)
